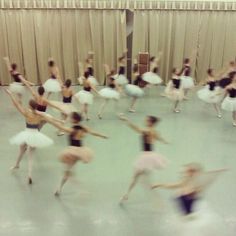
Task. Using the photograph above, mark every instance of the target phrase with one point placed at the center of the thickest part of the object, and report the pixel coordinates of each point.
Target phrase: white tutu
(210, 96)
(84, 97)
(187, 82)
(68, 108)
(121, 79)
(134, 90)
(173, 93)
(52, 86)
(109, 93)
(229, 104)
(31, 137)
(91, 79)
(17, 88)
(152, 78)
(149, 161)
(203, 222)
(76, 154)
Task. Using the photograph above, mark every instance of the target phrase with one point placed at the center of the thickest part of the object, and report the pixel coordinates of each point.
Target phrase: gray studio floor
(89, 206)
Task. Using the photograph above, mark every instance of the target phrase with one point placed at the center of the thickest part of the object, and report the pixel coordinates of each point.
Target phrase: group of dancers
(215, 91)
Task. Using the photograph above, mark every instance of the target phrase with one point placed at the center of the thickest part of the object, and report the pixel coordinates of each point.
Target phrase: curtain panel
(30, 36)
(178, 34)
(213, 5)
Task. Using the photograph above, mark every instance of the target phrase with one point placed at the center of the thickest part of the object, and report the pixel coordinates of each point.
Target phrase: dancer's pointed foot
(15, 167)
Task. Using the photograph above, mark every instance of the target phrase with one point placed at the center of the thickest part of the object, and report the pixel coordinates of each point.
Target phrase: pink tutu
(149, 161)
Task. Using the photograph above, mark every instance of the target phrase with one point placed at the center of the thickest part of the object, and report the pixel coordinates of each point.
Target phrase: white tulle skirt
(31, 137)
(152, 78)
(210, 96)
(187, 82)
(91, 79)
(173, 93)
(109, 93)
(134, 90)
(72, 154)
(17, 88)
(121, 79)
(68, 108)
(52, 86)
(229, 104)
(84, 97)
(149, 161)
(204, 222)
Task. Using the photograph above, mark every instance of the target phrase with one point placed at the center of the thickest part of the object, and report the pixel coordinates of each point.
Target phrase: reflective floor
(89, 204)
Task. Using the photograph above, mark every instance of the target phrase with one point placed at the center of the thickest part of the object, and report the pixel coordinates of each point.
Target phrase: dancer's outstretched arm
(18, 106)
(131, 125)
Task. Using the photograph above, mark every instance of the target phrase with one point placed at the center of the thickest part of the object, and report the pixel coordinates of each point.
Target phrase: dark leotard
(75, 142)
(31, 126)
(147, 147)
(16, 77)
(41, 108)
(232, 92)
(140, 82)
(67, 99)
(176, 83)
(224, 82)
(186, 203)
(121, 70)
(90, 70)
(212, 85)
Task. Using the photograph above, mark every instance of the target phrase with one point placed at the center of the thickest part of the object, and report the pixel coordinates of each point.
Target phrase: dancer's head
(193, 169)
(67, 83)
(121, 59)
(41, 90)
(33, 104)
(232, 63)
(186, 60)
(210, 72)
(76, 117)
(152, 121)
(152, 59)
(13, 66)
(51, 63)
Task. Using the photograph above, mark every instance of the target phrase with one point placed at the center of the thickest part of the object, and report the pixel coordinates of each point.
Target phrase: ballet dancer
(85, 96)
(54, 83)
(135, 90)
(149, 160)
(194, 182)
(66, 105)
(16, 87)
(187, 80)
(90, 70)
(120, 77)
(30, 138)
(41, 101)
(174, 90)
(210, 93)
(152, 77)
(229, 102)
(76, 151)
(111, 92)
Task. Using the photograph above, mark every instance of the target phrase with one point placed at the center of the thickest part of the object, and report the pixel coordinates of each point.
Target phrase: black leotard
(75, 142)
(16, 77)
(176, 83)
(90, 70)
(146, 145)
(232, 92)
(67, 99)
(186, 202)
(212, 85)
(224, 82)
(121, 70)
(31, 126)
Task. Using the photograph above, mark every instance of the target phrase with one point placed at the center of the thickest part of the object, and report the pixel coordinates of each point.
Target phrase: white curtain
(29, 37)
(178, 34)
